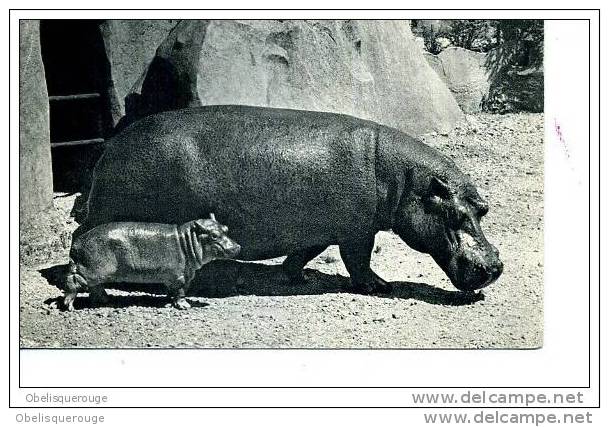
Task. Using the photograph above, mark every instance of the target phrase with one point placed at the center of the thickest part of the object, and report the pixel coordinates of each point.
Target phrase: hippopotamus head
(214, 239)
(440, 215)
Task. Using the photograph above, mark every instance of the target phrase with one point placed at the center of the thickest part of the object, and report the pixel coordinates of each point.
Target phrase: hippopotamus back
(278, 177)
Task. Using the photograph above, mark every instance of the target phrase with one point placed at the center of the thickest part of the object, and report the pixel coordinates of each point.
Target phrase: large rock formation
(436, 64)
(130, 45)
(35, 172)
(41, 228)
(466, 75)
(369, 69)
(487, 82)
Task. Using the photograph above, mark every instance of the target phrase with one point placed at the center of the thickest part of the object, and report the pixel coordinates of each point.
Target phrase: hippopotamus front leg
(177, 291)
(356, 256)
(178, 299)
(295, 262)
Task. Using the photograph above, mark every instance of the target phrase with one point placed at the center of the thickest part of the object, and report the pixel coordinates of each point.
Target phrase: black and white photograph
(312, 184)
(289, 214)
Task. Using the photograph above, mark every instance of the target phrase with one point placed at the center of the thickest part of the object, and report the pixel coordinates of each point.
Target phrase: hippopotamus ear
(437, 193)
(212, 216)
(199, 226)
(480, 204)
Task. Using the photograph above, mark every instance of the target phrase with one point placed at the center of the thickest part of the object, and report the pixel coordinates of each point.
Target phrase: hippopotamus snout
(476, 269)
(228, 247)
(215, 236)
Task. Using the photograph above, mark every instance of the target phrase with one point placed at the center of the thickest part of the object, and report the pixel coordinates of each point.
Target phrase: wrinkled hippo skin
(142, 252)
(291, 182)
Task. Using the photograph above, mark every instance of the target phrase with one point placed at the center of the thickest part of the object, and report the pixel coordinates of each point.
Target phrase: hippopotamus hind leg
(295, 262)
(74, 283)
(356, 256)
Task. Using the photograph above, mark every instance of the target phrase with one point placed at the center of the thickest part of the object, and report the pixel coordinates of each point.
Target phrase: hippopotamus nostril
(493, 271)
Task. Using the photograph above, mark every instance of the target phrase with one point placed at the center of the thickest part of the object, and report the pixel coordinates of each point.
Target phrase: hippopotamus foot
(178, 298)
(98, 296)
(56, 303)
(374, 286)
(356, 256)
(295, 262)
(181, 304)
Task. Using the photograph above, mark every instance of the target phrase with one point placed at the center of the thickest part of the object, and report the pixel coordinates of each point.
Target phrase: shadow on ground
(123, 301)
(221, 279)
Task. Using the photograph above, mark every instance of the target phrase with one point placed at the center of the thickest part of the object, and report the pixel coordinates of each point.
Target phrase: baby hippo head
(212, 237)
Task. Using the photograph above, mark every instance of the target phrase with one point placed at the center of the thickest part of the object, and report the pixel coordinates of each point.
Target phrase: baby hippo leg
(179, 300)
(177, 293)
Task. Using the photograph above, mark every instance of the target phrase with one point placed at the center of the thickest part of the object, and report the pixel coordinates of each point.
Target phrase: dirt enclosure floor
(251, 304)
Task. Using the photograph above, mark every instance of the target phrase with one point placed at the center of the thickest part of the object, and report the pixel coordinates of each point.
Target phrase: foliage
(518, 42)
(515, 67)
(513, 91)
(514, 56)
(473, 34)
(431, 40)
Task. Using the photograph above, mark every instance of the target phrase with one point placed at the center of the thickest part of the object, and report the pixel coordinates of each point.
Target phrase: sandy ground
(252, 305)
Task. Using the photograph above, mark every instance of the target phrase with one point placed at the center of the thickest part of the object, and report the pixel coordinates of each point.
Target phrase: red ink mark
(565, 147)
(561, 139)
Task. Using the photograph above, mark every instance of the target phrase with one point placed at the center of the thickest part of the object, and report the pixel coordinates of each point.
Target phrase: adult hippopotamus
(290, 182)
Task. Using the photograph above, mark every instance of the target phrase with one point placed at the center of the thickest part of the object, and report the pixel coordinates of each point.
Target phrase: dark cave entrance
(77, 73)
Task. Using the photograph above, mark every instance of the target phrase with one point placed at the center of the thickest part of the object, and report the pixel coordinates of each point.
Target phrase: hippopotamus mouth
(225, 249)
(474, 277)
(475, 263)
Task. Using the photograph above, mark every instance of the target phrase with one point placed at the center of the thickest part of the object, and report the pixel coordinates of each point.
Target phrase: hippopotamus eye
(457, 218)
(433, 204)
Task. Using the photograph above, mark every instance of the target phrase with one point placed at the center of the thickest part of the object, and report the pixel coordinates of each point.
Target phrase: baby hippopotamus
(139, 252)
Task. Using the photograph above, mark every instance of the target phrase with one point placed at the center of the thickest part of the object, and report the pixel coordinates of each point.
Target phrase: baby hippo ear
(199, 226)
(436, 195)
(212, 216)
